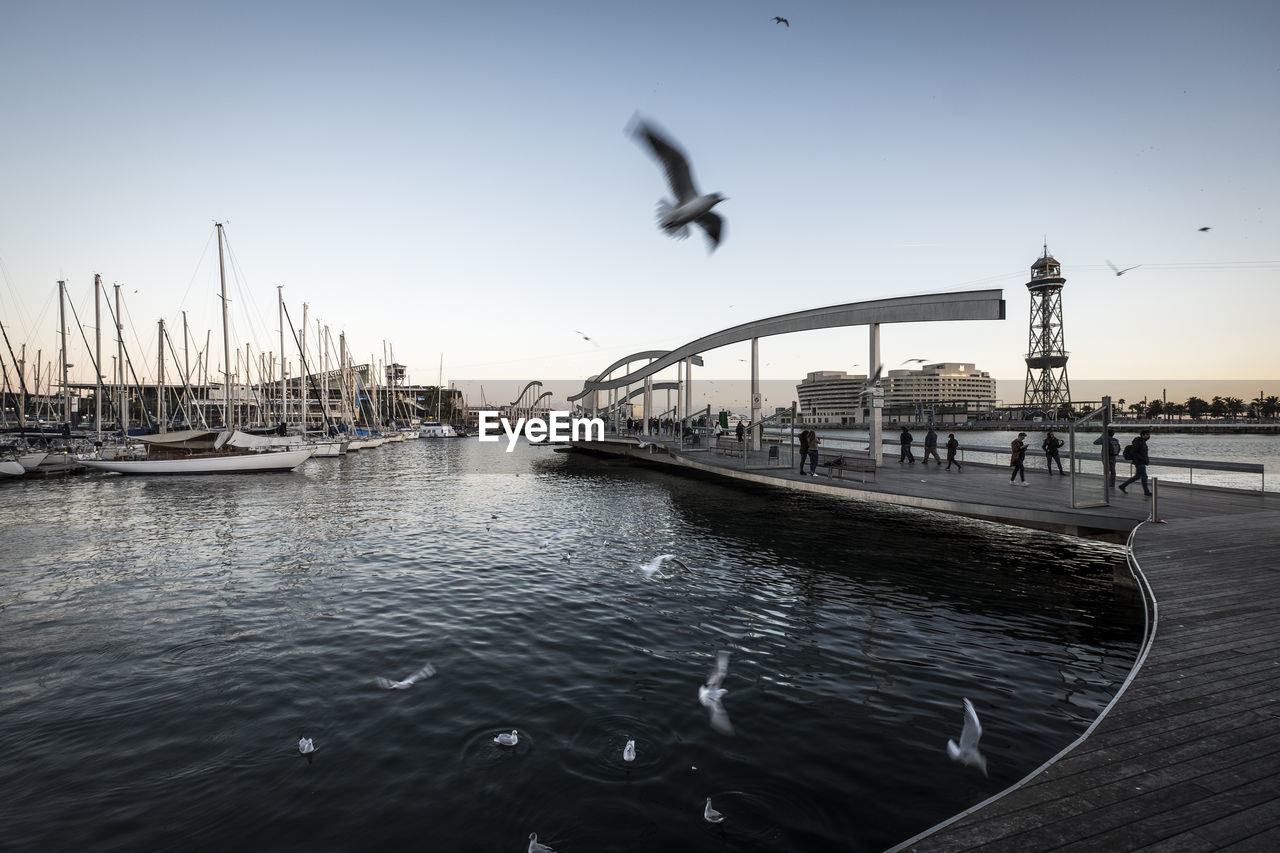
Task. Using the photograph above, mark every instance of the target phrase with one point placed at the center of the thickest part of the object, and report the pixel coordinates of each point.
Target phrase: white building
(945, 392)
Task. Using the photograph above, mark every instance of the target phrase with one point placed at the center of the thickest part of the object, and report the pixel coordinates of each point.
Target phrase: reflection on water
(168, 641)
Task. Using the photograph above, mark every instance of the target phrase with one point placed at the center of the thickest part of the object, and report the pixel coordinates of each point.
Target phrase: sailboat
(205, 451)
(436, 428)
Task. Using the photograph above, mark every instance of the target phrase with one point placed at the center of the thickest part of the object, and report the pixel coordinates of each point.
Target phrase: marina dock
(1185, 756)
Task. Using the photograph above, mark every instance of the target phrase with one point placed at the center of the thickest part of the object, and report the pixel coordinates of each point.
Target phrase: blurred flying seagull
(967, 751)
(585, 338)
(1118, 271)
(914, 360)
(778, 19)
(536, 846)
(710, 815)
(1205, 228)
(651, 568)
(711, 694)
(387, 684)
(690, 205)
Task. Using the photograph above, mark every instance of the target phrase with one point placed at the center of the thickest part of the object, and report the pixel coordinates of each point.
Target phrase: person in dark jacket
(1138, 456)
(741, 431)
(931, 446)
(952, 446)
(905, 439)
(1017, 451)
(804, 449)
(1110, 454)
(1050, 447)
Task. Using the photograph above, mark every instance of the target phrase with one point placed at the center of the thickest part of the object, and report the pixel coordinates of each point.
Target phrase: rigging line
(191, 282)
(242, 289)
(129, 362)
(190, 400)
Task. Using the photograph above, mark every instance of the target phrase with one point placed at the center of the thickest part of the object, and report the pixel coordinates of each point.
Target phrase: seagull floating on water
(629, 751)
(651, 568)
(711, 815)
(1118, 271)
(508, 739)
(711, 694)
(967, 751)
(426, 672)
(778, 19)
(536, 846)
(690, 206)
(305, 746)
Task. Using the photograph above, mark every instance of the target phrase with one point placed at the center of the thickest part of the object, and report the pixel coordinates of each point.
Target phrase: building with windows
(945, 392)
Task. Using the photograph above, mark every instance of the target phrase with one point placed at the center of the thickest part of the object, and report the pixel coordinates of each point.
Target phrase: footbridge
(924, 308)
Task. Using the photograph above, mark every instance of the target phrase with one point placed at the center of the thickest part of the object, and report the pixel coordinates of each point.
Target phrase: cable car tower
(1047, 388)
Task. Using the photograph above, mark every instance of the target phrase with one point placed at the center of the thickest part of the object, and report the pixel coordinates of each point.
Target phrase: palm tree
(1196, 408)
(1119, 406)
(1271, 406)
(1234, 406)
(1218, 407)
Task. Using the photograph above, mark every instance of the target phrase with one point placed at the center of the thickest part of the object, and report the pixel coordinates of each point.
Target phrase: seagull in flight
(690, 206)
(387, 684)
(585, 338)
(711, 694)
(778, 19)
(1205, 228)
(966, 752)
(1121, 271)
(915, 361)
(651, 568)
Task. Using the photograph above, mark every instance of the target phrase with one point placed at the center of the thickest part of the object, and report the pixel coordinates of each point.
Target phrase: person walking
(1136, 453)
(1050, 446)
(804, 449)
(904, 441)
(741, 432)
(952, 446)
(1019, 450)
(1109, 455)
(931, 446)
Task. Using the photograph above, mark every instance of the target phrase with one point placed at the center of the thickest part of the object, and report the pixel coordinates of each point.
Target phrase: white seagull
(711, 694)
(426, 672)
(305, 746)
(651, 568)
(690, 206)
(1118, 271)
(711, 815)
(508, 739)
(536, 846)
(629, 751)
(967, 751)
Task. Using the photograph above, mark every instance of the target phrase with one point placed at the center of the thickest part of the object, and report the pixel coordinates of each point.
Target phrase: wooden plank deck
(1187, 757)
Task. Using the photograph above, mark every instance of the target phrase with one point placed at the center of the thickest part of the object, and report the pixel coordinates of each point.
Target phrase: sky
(452, 180)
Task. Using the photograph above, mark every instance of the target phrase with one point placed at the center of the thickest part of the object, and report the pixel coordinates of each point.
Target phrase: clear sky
(453, 178)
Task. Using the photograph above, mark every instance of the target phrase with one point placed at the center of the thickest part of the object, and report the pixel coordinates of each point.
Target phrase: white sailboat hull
(283, 460)
(9, 468)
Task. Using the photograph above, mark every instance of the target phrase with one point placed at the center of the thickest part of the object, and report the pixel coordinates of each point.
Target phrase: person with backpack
(1136, 452)
(1050, 447)
(1109, 455)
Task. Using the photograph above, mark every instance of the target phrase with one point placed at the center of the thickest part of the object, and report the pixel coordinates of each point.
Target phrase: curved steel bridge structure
(923, 308)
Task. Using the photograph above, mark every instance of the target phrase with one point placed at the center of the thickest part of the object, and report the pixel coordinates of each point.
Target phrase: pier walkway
(1187, 755)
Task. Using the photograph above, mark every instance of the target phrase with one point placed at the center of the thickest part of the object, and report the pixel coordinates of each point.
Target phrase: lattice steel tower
(1047, 388)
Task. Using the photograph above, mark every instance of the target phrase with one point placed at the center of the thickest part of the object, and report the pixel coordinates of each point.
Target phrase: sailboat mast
(124, 392)
(439, 382)
(284, 400)
(97, 327)
(226, 337)
(62, 324)
(160, 400)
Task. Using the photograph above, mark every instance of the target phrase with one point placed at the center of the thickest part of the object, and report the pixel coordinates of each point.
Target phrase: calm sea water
(165, 642)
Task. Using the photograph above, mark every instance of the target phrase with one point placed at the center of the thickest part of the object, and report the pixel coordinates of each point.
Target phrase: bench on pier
(730, 444)
(836, 464)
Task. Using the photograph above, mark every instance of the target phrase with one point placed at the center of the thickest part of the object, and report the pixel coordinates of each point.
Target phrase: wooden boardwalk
(1187, 756)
